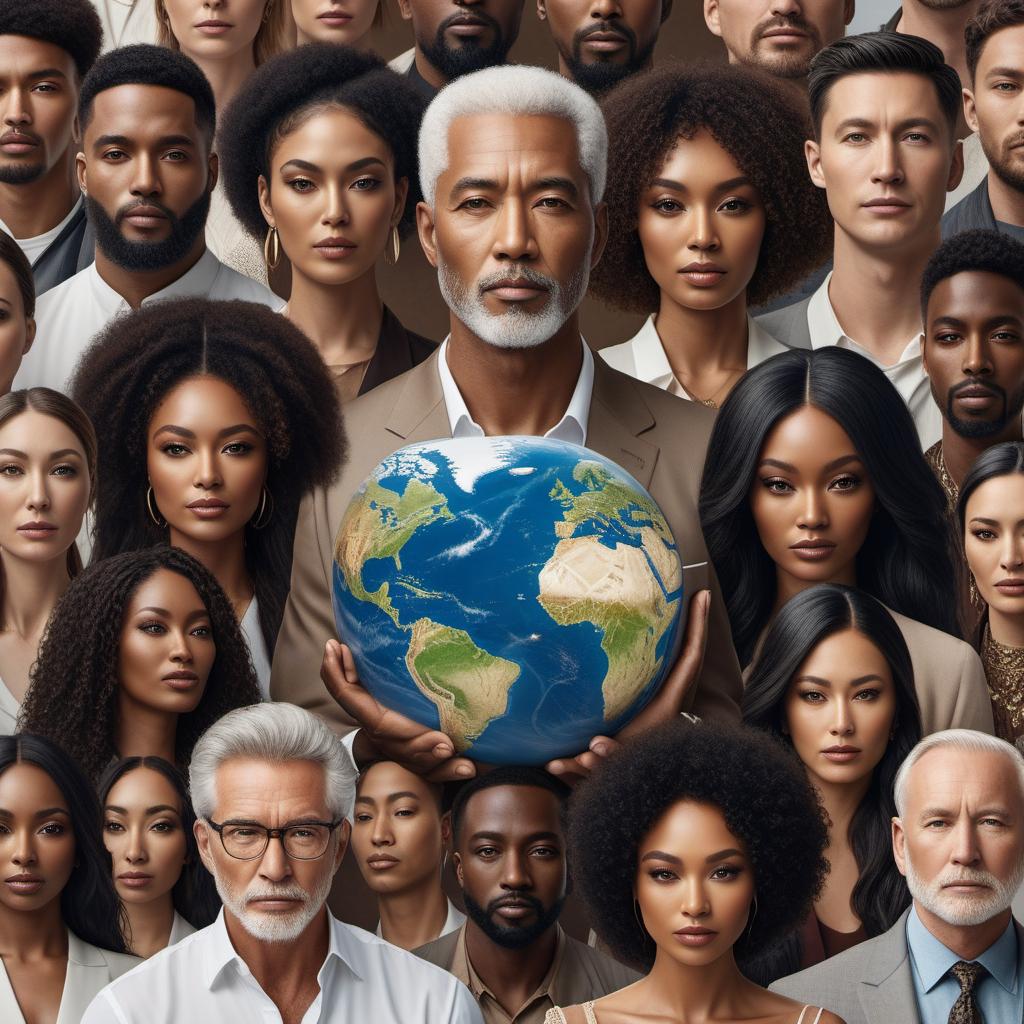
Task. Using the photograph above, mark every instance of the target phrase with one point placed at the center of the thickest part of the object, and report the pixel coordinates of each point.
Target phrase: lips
(24, 884)
(381, 861)
(334, 17)
(1012, 586)
(887, 205)
(38, 529)
(145, 216)
(208, 508)
(335, 248)
(516, 290)
(135, 879)
(841, 753)
(703, 274)
(18, 142)
(182, 679)
(812, 549)
(695, 936)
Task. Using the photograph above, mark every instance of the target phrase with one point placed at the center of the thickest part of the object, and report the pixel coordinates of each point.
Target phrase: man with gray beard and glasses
(956, 956)
(273, 792)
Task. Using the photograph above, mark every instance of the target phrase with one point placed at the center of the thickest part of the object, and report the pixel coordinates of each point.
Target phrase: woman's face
(332, 196)
(217, 32)
(694, 884)
(701, 223)
(207, 461)
(16, 330)
(840, 709)
(994, 542)
(44, 487)
(167, 648)
(811, 500)
(37, 842)
(396, 833)
(333, 21)
(143, 831)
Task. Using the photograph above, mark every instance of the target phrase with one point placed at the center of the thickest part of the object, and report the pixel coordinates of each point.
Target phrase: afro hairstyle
(143, 64)
(778, 821)
(283, 93)
(757, 125)
(73, 25)
(978, 250)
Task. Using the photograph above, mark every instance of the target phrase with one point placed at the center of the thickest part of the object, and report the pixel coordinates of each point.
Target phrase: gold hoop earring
(272, 243)
(158, 519)
(636, 914)
(391, 256)
(263, 515)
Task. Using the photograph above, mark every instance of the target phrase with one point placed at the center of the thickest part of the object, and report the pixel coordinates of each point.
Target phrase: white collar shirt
(202, 978)
(452, 923)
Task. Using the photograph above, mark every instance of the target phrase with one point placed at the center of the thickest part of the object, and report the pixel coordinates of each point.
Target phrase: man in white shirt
(273, 793)
(147, 169)
(883, 109)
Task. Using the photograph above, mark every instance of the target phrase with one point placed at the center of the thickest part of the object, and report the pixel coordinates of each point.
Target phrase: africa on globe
(521, 594)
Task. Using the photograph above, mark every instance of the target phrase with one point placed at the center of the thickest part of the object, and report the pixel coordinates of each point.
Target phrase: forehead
(690, 830)
(807, 435)
(845, 655)
(23, 55)
(976, 294)
(166, 589)
(270, 792)
(511, 811)
(143, 112)
(1000, 498)
(701, 157)
(877, 96)
(946, 777)
(26, 788)
(330, 135)
(143, 787)
(1003, 49)
(204, 400)
(383, 779)
(34, 432)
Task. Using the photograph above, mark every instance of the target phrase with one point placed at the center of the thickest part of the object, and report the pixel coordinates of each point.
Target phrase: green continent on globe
(468, 686)
(378, 524)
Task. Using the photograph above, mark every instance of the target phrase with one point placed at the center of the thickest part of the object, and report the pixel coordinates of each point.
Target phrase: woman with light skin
(17, 309)
(398, 843)
(335, 21)
(47, 476)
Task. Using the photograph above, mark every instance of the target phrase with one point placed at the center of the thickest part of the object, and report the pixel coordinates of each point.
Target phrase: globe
(521, 594)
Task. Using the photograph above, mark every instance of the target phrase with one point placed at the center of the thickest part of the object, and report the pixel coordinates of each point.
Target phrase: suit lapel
(419, 414)
(618, 415)
(887, 989)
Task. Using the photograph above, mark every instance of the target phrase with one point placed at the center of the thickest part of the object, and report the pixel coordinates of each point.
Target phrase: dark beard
(602, 75)
(513, 937)
(21, 174)
(1012, 407)
(145, 256)
(1008, 170)
(452, 62)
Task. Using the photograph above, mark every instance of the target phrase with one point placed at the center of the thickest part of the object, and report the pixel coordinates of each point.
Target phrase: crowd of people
(205, 206)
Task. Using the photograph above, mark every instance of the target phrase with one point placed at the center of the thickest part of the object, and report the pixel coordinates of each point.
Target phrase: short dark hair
(506, 775)
(991, 17)
(143, 64)
(73, 25)
(886, 52)
(978, 250)
(12, 255)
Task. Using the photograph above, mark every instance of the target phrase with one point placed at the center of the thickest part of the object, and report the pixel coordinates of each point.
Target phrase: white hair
(969, 740)
(278, 733)
(520, 91)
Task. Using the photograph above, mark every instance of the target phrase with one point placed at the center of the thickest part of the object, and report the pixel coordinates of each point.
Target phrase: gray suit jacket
(789, 324)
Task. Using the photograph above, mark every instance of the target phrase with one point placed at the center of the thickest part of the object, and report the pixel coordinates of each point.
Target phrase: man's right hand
(386, 735)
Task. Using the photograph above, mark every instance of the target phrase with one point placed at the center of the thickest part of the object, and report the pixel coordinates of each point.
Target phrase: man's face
(512, 231)
(510, 862)
(38, 102)
(777, 36)
(273, 897)
(994, 106)
(147, 173)
(973, 349)
(600, 42)
(457, 38)
(960, 841)
(886, 157)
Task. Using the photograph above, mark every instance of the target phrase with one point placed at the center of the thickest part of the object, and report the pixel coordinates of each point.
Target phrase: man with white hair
(273, 791)
(512, 168)
(957, 954)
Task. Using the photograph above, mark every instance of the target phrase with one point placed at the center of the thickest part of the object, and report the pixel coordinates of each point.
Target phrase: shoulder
(87, 955)
(230, 284)
(937, 647)
(966, 214)
(843, 971)
(611, 974)
(440, 952)
(613, 387)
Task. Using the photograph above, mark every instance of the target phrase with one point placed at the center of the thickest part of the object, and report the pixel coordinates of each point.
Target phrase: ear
(76, 130)
(970, 110)
(202, 833)
(812, 154)
(898, 846)
(263, 191)
(446, 828)
(425, 229)
(405, 9)
(344, 834)
(848, 11)
(711, 18)
(213, 171)
(956, 167)
(80, 172)
(542, 10)
(600, 233)
(457, 861)
(401, 194)
(30, 334)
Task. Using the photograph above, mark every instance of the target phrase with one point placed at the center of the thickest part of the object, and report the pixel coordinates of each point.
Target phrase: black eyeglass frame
(273, 833)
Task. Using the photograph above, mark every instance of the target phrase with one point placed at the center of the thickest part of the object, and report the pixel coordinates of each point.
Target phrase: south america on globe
(521, 594)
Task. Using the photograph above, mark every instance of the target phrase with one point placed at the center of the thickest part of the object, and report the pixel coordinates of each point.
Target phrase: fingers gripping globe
(521, 594)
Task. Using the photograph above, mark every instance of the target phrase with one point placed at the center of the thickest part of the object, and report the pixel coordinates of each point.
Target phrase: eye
(366, 184)
(203, 631)
(53, 828)
(726, 873)
(4, 314)
(114, 155)
(176, 156)
(846, 482)
(667, 206)
(916, 137)
(153, 628)
(776, 485)
(64, 470)
(405, 812)
(362, 816)
(935, 824)
(174, 449)
(300, 185)
(476, 203)
(45, 87)
(996, 822)
(947, 338)
(113, 826)
(164, 827)
(812, 696)
(238, 448)
(1006, 337)
(855, 137)
(736, 205)
(12, 469)
(552, 203)
(663, 875)
(545, 852)
(487, 851)
(1005, 87)
(867, 695)
(983, 535)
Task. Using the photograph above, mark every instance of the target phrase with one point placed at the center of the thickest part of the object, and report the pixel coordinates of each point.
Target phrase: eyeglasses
(247, 840)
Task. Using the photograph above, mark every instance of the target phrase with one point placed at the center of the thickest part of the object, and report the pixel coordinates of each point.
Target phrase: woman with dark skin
(834, 681)
(142, 654)
(217, 417)
(60, 919)
(17, 309)
(319, 160)
(710, 211)
(684, 870)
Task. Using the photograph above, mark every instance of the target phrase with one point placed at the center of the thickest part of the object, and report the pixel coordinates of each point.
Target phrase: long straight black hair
(905, 560)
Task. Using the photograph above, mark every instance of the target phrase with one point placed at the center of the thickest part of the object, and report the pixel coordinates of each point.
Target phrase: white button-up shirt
(906, 374)
(71, 314)
(363, 980)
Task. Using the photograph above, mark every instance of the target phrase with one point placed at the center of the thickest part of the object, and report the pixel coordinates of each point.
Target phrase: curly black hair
(757, 125)
(138, 359)
(979, 250)
(777, 819)
(73, 25)
(288, 89)
(72, 695)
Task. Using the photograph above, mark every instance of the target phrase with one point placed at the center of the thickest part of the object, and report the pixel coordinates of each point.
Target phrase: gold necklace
(710, 401)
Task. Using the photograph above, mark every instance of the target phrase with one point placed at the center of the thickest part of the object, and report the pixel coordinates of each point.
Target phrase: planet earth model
(521, 594)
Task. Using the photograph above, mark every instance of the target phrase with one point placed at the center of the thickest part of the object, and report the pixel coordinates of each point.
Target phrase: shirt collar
(463, 970)
(197, 280)
(571, 427)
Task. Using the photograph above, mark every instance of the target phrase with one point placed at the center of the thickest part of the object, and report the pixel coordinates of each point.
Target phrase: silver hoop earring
(158, 519)
(263, 514)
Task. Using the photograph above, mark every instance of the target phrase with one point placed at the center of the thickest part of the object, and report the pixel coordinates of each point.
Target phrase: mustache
(126, 210)
(988, 385)
(516, 897)
(789, 21)
(604, 27)
(276, 892)
(468, 16)
(517, 272)
(971, 876)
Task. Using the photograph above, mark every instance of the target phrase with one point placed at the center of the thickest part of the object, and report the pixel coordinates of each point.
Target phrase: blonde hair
(273, 37)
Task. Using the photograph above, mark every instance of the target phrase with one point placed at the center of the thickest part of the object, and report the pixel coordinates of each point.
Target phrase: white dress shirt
(906, 374)
(126, 22)
(643, 356)
(71, 314)
(180, 929)
(252, 631)
(452, 923)
(363, 980)
(9, 708)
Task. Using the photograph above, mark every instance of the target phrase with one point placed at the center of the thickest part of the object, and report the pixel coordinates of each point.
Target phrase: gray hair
(275, 732)
(520, 91)
(969, 740)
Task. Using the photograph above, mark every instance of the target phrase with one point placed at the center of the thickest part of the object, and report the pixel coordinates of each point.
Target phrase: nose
(605, 10)
(965, 849)
(336, 211)
(145, 180)
(514, 874)
(977, 360)
(24, 855)
(275, 866)
(383, 834)
(888, 167)
(16, 110)
(813, 515)
(842, 722)
(181, 652)
(703, 237)
(694, 902)
(135, 853)
(207, 470)
(39, 494)
(785, 8)
(514, 239)
(1011, 557)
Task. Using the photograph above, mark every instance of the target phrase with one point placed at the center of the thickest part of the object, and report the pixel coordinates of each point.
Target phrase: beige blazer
(655, 436)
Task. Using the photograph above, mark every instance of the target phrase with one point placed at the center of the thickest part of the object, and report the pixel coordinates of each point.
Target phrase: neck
(1007, 201)
(143, 731)
(228, 75)
(967, 942)
(29, 210)
(32, 935)
(787, 585)
(415, 916)
(841, 803)
(516, 391)
(683, 992)
(944, 28)
(511, 974)
(697, 341)
(225, 559)
(135, 285)
(959, 452)
(30, 592)
(1007, 630)
(150, 925)
(343, 321)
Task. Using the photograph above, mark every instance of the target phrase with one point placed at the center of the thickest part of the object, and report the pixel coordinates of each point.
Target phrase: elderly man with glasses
(273, 789)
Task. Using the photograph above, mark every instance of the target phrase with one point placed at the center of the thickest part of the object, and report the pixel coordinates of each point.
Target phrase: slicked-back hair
(990, 252)
(281, 95)
(992, 16)
(885, 53)
(904, 561)
(73, 25)
(505, 775)
(144, 64)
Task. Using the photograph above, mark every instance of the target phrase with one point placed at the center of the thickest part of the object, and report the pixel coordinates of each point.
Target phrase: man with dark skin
(509, 856)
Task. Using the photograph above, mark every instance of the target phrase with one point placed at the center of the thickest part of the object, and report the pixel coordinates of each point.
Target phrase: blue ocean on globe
(521, 594)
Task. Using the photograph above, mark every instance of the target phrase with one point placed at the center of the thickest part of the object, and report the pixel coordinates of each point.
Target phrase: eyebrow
(356, 165)
(829, 466)
(501, 837)
(945, 812)
(907, 122)
(390, 798)
(671, 858)
(47, 73)
(307, 819)
(59, 454)
(859, 681)
(199, 613)
(678, 186)
(1005, 72)
(238, 428)
(124, 140)
(992, 321)
(46, 812)
(159, 808)
(485, 184)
